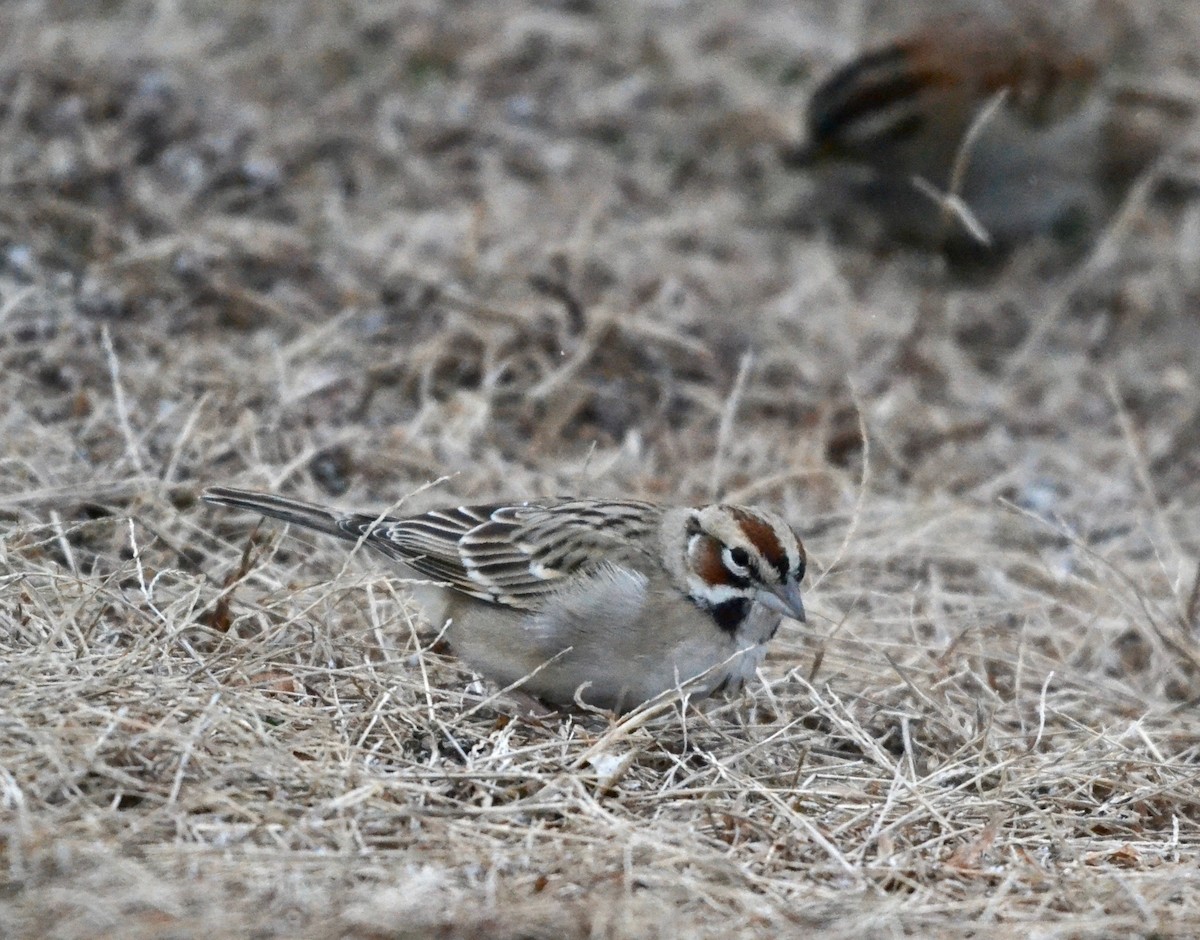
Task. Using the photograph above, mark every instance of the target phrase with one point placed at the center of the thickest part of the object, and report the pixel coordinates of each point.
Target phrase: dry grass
(345, 250)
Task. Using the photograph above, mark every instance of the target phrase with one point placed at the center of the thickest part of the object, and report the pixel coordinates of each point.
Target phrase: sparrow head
(873, 101)
(921, 91)
(736, 557)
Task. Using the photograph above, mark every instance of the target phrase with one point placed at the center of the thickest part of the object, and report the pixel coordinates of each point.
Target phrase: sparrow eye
(737, 560)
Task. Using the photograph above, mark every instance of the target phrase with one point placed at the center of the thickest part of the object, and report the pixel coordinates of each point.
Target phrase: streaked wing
(427, 543)
(511, 555)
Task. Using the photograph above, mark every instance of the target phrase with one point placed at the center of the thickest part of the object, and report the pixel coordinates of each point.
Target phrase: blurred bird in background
(989, 121)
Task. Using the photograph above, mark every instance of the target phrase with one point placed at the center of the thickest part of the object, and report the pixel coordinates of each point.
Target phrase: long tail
(309, 515)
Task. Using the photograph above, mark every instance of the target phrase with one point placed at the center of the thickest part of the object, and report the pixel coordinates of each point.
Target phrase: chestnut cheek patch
(705, 556)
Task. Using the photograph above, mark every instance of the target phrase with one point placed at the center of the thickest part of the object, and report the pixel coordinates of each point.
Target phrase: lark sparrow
(1023, 78)
(610, 601)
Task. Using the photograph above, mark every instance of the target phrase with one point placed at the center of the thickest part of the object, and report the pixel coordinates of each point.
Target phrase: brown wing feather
(504, 553)
(511, 555)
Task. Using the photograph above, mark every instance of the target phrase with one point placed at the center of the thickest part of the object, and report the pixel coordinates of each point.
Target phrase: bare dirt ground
(343, 250)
